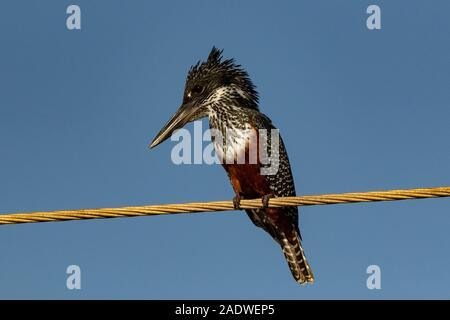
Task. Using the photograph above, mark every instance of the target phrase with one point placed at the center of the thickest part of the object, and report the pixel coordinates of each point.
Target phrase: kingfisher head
(211, 85)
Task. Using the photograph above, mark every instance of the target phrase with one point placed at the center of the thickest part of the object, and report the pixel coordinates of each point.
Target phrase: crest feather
(215, 56)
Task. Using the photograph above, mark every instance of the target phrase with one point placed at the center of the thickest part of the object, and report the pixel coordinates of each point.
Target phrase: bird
(221, 90)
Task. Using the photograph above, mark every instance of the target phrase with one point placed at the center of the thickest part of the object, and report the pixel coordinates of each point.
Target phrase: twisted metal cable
(150, 210)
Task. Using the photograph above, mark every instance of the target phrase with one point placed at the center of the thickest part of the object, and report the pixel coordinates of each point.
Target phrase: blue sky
(358, 110)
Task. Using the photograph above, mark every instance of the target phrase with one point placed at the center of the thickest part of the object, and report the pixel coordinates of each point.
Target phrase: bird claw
(237, 203)
(265, 200)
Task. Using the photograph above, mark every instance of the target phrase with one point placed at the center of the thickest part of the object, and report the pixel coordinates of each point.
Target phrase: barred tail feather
(296, 259)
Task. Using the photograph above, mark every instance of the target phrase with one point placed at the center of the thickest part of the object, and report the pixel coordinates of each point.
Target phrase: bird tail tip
(295, 256)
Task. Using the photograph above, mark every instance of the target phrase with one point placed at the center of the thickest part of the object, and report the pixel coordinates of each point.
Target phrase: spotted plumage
(222, 91)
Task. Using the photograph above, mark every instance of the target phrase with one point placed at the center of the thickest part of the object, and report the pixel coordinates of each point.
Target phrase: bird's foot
(237, 202)
(265, 200)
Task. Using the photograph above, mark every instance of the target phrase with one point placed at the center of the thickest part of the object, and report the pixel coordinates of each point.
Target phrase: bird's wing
(282, 182)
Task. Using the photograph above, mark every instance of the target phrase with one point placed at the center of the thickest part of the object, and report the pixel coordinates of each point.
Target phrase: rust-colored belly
(247, 180)
(248, 183)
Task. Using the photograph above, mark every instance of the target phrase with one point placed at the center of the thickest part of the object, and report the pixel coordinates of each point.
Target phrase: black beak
(178, 120)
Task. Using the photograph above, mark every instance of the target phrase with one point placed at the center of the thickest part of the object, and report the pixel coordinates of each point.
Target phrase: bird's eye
(197, 89)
